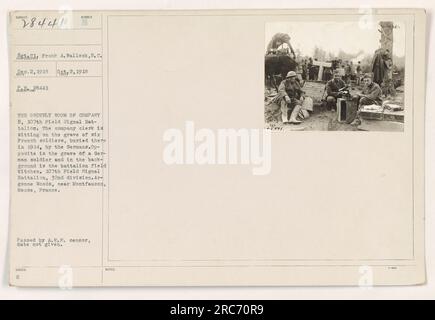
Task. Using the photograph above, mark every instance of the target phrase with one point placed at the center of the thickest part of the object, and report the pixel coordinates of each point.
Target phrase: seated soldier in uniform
(290, 96)
(333, 90)
(371, 94)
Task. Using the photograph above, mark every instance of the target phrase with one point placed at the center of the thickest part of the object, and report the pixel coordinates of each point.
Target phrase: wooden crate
(346, 110)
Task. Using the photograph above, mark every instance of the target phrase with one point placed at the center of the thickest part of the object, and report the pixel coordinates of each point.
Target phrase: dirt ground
(319, 120)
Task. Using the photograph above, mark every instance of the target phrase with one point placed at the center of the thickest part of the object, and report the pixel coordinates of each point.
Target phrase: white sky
(333, 36)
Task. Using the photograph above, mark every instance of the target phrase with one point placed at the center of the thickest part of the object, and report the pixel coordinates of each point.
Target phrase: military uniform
(332, 89)
(293, 91)
(373, 93)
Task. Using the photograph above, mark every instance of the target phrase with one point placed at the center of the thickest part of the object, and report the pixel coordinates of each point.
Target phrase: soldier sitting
(333, 90)
(371, 94)
(290, 96)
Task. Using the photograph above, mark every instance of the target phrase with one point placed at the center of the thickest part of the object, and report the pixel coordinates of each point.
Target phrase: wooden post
(321, 66)
(387, 35)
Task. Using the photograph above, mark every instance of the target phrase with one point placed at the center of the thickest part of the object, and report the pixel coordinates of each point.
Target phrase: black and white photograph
(335, 76)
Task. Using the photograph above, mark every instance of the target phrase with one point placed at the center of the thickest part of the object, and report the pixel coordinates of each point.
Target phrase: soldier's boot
(284, 111)
(357, 121)
(294, 115)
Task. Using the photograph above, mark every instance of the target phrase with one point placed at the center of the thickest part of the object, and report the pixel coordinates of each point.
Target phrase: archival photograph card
(217, 148)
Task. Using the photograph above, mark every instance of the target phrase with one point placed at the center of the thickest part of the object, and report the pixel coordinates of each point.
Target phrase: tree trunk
(387, 36)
